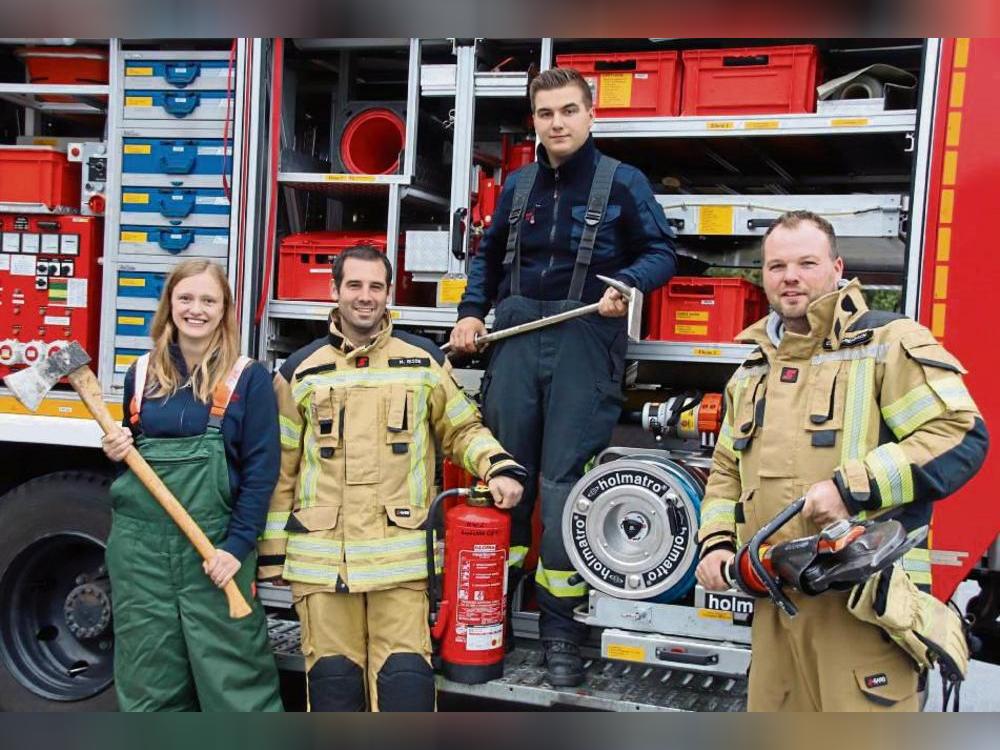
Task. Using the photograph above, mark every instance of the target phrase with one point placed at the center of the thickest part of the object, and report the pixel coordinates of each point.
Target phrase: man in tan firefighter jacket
(863, 412)
(360, 411)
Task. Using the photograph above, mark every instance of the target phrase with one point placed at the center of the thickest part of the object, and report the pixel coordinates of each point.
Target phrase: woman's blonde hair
(163, 379)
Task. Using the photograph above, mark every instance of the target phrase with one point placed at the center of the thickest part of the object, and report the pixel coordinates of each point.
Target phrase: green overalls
(176, 648)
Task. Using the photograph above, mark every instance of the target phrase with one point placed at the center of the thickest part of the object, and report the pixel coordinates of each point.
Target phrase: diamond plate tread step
(608, 686)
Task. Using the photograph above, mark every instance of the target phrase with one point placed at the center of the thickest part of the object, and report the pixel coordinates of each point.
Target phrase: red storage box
(695, 308)
(73, 65)
(304, 267)
(39, 175)
(750, 80)
(630, 84)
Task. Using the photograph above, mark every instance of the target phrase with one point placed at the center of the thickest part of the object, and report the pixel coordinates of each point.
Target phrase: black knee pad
(405, 683)
(336, 684)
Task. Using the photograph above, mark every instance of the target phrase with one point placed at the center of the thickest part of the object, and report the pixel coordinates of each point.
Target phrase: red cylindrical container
(519, 155)
(372, 141)
(470, 626)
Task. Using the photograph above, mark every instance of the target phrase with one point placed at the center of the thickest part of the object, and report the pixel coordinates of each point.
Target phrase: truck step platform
(608, 686)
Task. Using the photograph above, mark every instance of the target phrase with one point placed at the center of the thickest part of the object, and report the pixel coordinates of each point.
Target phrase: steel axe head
(634, 297)
(30, 385)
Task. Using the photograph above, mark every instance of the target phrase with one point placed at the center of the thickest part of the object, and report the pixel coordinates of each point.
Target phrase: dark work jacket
(633, 242)
(250, 434)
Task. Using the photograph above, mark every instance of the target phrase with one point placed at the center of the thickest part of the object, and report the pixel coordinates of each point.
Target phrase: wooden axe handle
(86, 384)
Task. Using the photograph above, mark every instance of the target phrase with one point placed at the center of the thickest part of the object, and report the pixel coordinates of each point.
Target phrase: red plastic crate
(39, 174)
(73, 65)
(630, 84)
(695, 308)
(750, 80)
(304, 267)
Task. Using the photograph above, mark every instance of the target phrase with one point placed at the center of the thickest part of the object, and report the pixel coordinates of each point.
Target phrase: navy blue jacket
(251, 437)
(633, 242)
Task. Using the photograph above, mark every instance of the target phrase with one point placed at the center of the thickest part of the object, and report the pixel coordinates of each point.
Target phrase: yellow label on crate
(720, 125)
(124, 360)
(138, 101)
(137, 148)
(699, 351)
(715, 220)
(37, 141)
(395, 314)
(134, 236)
(349, 178)
(691, 330)
(126, 320)
(714, 614)
(125, 281)
(135, 197)
(626, 653)
(450, 291)
(761, 125)
(701, 315)
(614, 90)
(849, 122)
(138, 71)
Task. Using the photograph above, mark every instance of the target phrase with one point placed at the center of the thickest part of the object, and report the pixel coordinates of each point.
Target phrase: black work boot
(563, 663)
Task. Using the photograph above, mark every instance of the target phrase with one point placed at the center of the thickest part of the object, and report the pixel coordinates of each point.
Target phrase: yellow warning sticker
(138, 71)
(761, 125)
(699, 351)
(125, 320)
(700, 315)
(450, 291)
(124, 360)
(720, 125)
(714, 614)
(626, 653)
(137, 148)
(138, 101)
(849, 122)
(135, 197)
(134, 236)
(41, 141)
(614, 90)
(715, 220)
(687, 421)
(349, 178)
(131, 281)
(686, 330)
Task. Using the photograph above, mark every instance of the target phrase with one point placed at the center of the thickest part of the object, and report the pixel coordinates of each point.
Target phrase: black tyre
(56, 640)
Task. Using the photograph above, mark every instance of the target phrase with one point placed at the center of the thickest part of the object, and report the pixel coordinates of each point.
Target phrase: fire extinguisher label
(482, 579)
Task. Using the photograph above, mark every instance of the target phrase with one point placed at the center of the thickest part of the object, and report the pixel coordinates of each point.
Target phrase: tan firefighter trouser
(825, 659)
(366, 628)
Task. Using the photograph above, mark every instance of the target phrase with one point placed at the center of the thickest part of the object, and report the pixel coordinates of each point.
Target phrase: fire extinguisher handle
(429, 526)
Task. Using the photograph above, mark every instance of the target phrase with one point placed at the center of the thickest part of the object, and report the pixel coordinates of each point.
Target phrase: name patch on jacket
(402, 512)
(409, 361)
(876, 680)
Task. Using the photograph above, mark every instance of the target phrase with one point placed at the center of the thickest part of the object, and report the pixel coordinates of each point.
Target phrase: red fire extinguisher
(467, 615)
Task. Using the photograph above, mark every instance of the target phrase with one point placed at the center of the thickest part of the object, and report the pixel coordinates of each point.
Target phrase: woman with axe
(205, 419)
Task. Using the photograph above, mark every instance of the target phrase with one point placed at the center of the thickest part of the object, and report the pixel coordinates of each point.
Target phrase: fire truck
(119, 158)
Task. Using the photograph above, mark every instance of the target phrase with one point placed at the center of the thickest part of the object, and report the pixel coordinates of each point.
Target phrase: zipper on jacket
(552, 231)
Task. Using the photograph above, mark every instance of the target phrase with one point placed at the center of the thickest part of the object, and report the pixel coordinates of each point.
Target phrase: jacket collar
(576, 164)
(829, 317)
(339, 342)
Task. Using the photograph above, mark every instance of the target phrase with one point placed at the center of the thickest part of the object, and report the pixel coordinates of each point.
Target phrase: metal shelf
(895, 121)
(698, 351)
(340, 185)
(28, 95)
(443, 317)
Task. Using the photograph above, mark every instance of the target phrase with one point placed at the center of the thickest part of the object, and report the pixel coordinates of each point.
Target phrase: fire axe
(31, 385)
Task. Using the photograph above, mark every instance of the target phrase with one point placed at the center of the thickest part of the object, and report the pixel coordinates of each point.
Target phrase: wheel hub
(88, 610)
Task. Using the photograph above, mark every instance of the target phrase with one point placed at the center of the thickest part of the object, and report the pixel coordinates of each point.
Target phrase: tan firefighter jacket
(358, 431)
(868, 399)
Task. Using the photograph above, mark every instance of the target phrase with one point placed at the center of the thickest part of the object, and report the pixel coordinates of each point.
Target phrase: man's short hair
(360, 252)
(791, 219)
(557, 78)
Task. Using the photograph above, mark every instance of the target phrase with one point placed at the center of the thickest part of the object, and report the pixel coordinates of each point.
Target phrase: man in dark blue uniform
(553, 396)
